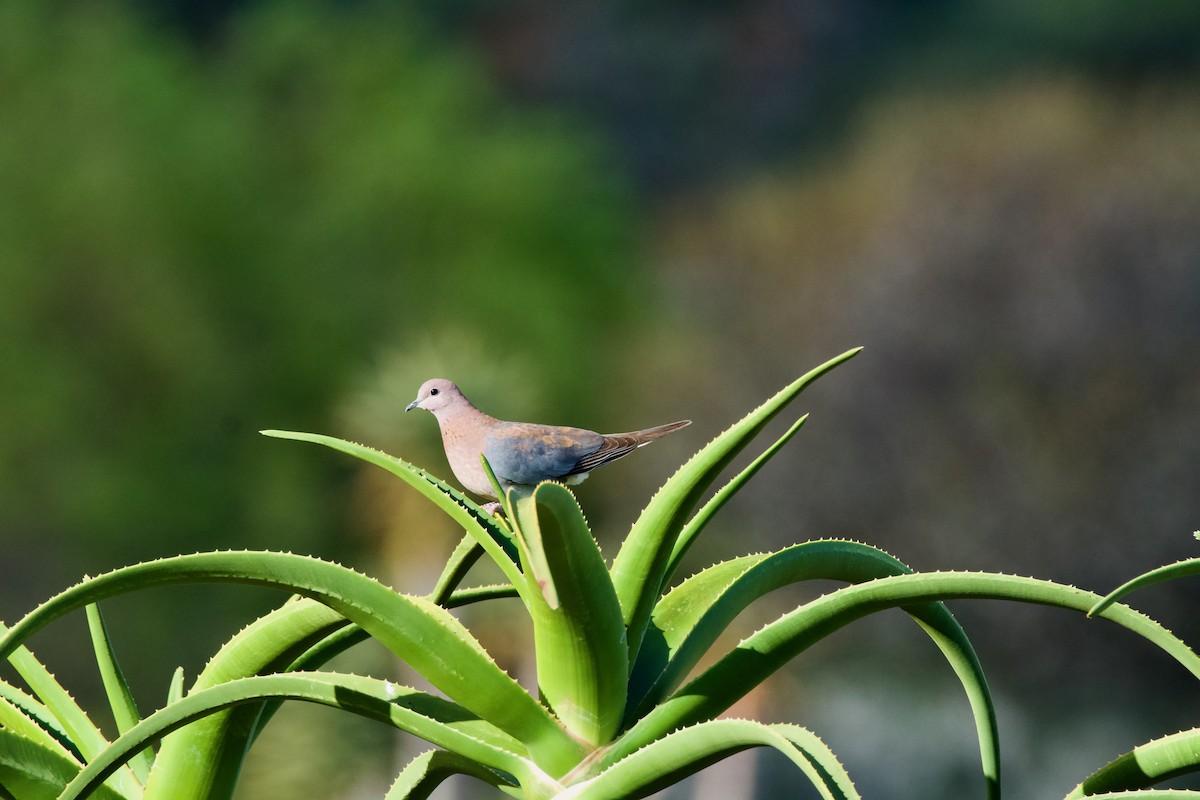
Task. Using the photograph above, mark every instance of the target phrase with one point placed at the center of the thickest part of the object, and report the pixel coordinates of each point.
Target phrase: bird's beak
(414, 404)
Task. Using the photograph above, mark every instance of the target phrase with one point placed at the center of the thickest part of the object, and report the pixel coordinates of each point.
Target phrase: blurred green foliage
(1022, 263)
(243, 215)
(198, 244)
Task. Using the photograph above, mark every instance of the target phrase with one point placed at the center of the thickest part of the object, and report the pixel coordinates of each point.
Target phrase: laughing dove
(520, 453)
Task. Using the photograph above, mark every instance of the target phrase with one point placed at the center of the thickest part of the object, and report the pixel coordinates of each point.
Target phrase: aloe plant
(619, 713)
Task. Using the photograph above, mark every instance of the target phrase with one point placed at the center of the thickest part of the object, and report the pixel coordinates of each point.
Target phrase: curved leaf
(204, 759)
(1180, 569)
(120, 699)
(486, 529)
(25, 716)
(1149, 794)
(465, 554)
(432, 718)
(31, 770)
(420, 632)
(715, 503)
(84, 735)
(761, 654)
(1145, 765)
(478, 594)
(640, 568)
(427, 771)
(694, 614)
(687, 751)
(579, 636)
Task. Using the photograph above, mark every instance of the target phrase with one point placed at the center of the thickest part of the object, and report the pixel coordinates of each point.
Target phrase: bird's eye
(432, 392)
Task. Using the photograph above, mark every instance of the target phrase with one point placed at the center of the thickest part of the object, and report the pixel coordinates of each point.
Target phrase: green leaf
(175, 689)
(715, 503)
(478, 594)
(1148, 794)
(640, 569)
(421, 633)
(761, 654)
(83, 733)
(486, 529)
(31, 770)
(465, 554)
(1180, 569)
(687, 751)
(23, 714)
(1145, 765)
(425, 773)
(432, 718)
(204, 759)
(14, 721)
(120, 699)
(694, 614)
(579, 635)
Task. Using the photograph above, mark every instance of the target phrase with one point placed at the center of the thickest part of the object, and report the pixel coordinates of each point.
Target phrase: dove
(520, 453)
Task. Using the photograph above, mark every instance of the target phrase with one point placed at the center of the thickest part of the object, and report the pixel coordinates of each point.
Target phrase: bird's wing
(528, 454)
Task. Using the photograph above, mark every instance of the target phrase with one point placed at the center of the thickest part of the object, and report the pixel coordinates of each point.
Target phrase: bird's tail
(648, 435)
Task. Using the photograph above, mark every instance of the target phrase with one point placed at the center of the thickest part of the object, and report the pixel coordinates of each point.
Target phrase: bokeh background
(232, 215)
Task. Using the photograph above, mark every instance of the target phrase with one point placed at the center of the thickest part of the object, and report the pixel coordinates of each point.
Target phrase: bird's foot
(492, 508)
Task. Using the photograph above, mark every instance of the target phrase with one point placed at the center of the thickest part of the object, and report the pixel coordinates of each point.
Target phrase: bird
(520, 453)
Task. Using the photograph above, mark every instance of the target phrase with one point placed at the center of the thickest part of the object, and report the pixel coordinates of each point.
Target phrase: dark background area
(221, 217)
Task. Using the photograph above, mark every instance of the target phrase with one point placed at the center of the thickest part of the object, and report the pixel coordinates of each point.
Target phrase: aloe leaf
(315, 657)
(422, 633)
(687, 751)
(497, 489)
(1148, 794)
(22, 714)
(31, 770)
(715, 503)
(478, 594)
(693, 615)
(465, 554)
(426, 772)
(73, 719)
(767, 650)
(13, 719)
(482, 526)
(120, 698)
(640, 568)
(1180, 569)
(83, 733)
(579, 635)
(432, 718)
(175, 689)
(204, 759)
(1145, 765)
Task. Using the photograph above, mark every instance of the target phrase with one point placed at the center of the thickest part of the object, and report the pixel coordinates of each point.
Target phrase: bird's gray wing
(527, 454)
(612, 449)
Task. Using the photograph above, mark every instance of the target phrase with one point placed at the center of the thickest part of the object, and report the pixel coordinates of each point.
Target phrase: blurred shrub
(1022, 264)
(195, 244)
(1024, 268)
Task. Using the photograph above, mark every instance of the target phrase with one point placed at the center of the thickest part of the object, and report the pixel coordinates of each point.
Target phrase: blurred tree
(1023, 266)
(195, 244)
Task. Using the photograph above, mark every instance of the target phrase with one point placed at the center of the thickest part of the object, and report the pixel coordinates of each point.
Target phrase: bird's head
(437, 395)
